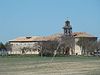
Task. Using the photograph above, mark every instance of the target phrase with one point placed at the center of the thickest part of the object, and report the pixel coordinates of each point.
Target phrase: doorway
(67, 51)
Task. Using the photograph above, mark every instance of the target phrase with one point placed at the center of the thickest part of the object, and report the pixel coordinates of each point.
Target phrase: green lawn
(35, 65)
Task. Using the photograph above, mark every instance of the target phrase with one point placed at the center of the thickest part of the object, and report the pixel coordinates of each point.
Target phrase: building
(19, 43)
(85, 39)
(28, 45)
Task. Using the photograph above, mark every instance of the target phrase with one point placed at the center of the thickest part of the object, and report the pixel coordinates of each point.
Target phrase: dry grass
(60, 66)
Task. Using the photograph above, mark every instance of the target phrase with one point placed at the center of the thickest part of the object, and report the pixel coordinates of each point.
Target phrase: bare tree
(87, 45)
(8, 46)
(3, 50)
(96, 47)
(25, 50)
(47, 48)
(67, 43)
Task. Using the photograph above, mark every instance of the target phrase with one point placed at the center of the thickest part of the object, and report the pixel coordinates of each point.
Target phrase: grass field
(35, 65)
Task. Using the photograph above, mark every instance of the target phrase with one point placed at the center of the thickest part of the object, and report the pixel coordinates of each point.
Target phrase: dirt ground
(29, 66)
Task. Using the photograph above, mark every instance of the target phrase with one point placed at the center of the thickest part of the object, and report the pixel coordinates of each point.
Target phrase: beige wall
(77, 48)
(17, 46)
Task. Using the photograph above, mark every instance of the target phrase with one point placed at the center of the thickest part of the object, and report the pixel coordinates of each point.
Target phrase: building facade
(67, 42)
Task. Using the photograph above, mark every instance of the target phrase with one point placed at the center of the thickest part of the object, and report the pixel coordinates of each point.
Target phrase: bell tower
(67, 28)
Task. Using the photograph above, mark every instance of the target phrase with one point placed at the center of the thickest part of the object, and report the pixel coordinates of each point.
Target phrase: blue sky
(45, 17)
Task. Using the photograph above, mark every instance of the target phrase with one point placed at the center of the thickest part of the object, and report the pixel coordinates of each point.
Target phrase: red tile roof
(82, 34)
(50, 38)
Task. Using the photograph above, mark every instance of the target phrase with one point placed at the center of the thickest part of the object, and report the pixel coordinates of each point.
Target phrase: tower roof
(67, 25)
